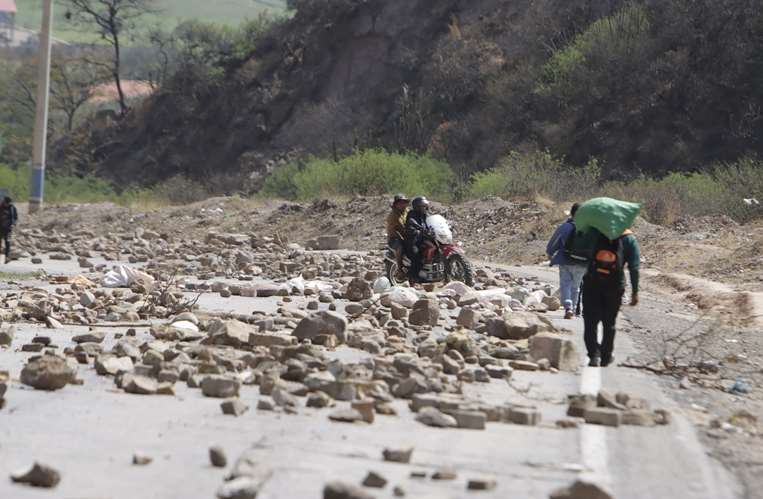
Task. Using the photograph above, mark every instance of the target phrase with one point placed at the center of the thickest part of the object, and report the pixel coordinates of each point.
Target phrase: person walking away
(571, 270)
(415, 229)
(396, 220)
(603, 290)
(8, 219)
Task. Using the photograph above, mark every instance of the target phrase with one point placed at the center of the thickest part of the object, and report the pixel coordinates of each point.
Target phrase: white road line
(593, 438)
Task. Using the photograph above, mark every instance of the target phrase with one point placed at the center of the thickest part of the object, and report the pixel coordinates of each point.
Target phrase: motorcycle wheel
(391, 272)
(460, 269)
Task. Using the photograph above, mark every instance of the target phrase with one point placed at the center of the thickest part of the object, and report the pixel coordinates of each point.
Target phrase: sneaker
(569, 314)
(594, 362)
(605, 361)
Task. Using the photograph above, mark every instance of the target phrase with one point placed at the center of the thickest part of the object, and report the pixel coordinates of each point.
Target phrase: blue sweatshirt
(555, 249)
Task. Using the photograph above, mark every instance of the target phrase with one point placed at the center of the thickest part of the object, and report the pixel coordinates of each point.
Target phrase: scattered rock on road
(340, 490)
(217, 457)
(581, 490)
(47, 372)
(39, 475)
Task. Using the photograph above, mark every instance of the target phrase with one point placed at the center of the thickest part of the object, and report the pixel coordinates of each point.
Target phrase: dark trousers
(6, 237)
(601, 304)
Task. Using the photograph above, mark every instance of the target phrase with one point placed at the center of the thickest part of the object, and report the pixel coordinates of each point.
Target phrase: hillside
(642, 87)
(169, 13)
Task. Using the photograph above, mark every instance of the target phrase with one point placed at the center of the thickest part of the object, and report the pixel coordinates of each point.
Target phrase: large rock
(581, 490)
(425, 312)
(402, 296)
(6, 335)
(48, 372)
(339, 490)
(220, 387)
(231, 333)
(431, 416)
(111, 365)
(38, 476)
(140, 385)
(560, 351)
(322, 323)
(468, 318)
(519, 326)
(359, 290)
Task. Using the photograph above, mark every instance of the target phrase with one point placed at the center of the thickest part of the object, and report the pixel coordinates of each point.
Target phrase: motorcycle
(442, 259)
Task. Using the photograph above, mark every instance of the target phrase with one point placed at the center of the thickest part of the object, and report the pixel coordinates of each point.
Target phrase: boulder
(48, 372)
(111, 365)
(559, 350)
(218, 386)
(6, 335)
(425, 312)
(340, 490)
(358, 290)
(468, 318)
(231, 333)
(519, 326)
(322, 323)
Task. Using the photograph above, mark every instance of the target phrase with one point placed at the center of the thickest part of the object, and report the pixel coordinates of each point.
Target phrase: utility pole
(41, 116)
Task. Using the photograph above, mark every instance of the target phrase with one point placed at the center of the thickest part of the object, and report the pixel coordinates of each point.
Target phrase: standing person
(8, 218)
(603, 290)
(396, 220)
(571, 271)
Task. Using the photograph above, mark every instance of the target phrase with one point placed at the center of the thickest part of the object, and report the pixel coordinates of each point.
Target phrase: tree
(113, 18)
(73, 80)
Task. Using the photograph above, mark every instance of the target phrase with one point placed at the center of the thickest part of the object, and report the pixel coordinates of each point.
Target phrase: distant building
(7, 21)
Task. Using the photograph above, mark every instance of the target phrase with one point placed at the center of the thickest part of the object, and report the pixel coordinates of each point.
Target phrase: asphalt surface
(90, 433)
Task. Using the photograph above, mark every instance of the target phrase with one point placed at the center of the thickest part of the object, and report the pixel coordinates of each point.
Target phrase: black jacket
(8, 217)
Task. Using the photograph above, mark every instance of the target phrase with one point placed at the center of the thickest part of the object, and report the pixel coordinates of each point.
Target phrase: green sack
(609, 216)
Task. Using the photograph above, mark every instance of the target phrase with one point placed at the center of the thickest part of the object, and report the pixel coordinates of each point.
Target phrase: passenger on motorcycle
(396, 221)
(415, 230)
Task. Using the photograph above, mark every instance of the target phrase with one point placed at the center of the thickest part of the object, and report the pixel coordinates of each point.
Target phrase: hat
(398, 198)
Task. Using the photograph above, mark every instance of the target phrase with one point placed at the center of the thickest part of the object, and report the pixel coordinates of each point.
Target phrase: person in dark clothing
(415, 228)
(8, 218)
(603, 290)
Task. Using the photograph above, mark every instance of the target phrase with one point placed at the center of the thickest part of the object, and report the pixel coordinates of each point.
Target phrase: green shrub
(536, 174)
(719, 191)
(365, 173)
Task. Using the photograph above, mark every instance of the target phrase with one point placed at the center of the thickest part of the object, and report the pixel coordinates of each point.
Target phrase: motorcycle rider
(396, 220)
(415, 229)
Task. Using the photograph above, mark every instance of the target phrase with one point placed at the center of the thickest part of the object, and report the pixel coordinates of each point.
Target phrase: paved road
(90, 432)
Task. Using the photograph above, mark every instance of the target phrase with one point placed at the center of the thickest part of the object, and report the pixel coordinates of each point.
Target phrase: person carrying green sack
(604, 283)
